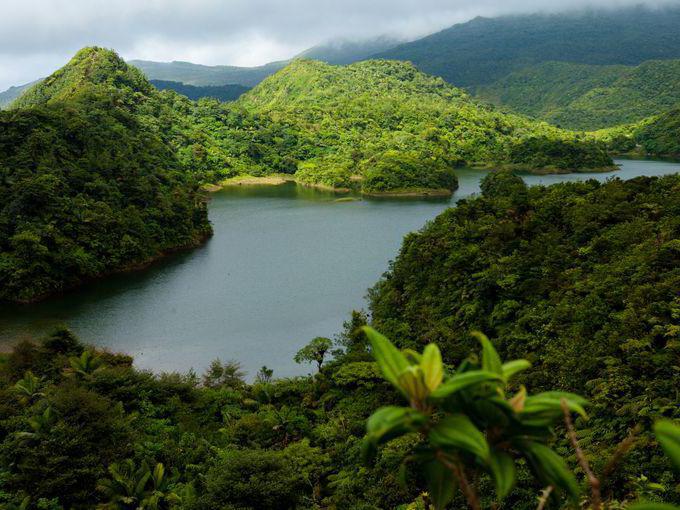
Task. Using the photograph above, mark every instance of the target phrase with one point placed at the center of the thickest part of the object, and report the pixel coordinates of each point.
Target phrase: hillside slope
(582, 96)
(484, 50)
(583, 279)
(12, 93)
(87, 187)
(379, 118)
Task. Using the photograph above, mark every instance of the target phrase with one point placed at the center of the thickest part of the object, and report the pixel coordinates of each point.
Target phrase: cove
(286, 264)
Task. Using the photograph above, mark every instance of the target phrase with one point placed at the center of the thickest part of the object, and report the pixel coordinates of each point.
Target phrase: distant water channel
(286, 264)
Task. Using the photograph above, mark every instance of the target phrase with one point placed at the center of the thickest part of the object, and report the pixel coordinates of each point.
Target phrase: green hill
(583, 279)
(373, 118)
(86, 187)
(581, 96)
(656, 136)
(484, 50)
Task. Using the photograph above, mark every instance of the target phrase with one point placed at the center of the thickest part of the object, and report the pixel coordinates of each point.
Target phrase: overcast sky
(38, 36)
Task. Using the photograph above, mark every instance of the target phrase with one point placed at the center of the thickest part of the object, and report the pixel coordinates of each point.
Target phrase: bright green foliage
(588, 97)
(668, 434)
(655, 136)
(315, 351)
(29, 388)
(580, 279)
(131, 488)
(463, 426)
(399, 129)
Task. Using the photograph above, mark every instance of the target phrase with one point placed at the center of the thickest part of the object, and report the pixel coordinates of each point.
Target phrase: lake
(286, 264)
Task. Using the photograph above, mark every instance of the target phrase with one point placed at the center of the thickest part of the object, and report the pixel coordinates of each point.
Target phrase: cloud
(37, 36)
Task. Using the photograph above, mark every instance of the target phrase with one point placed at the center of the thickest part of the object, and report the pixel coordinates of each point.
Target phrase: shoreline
(279, 179)
(200, 240)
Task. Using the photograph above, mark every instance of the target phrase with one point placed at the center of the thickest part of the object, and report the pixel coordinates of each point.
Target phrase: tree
(264, 375)
(29, 388)
(468, 423)
(229, 374)
(131, 488)
(314, 351)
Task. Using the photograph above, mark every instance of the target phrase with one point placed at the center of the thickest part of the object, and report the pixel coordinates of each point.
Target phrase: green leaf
(503, 471)
(440, 484)
(390, 359)
(387, 423)
(457, 431)
(668, 435)
(433, 368)
(461, 381)
(491, 361)
(412, 382)
(551, 468)
(392, 421)
(511, 368)
(652, 506)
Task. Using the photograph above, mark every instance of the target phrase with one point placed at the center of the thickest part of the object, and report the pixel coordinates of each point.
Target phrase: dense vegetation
(86, 187)
(220, 92)
(657, 136)
(369, 119)
(485, 50)
(582, 279)
(581, 96)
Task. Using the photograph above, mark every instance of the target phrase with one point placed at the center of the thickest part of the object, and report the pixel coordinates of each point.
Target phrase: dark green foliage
(86, 191)
(581, 96)
(264, 479)
(86, 187)
(661, 136)
(483, 50)
(220, 92)
(582, 279)
(65, 452)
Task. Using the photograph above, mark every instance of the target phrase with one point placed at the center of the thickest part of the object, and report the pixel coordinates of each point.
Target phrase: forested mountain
(12, 93)
(583, 96)
(333, 52)
(346, 51)
(86, 186)
(657, 136)
(220, 92)
(582, 279)
(202, 75)
(397, 128)
(484, 50)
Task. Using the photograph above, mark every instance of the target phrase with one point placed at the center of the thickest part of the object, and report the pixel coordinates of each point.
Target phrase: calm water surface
(286, 264)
